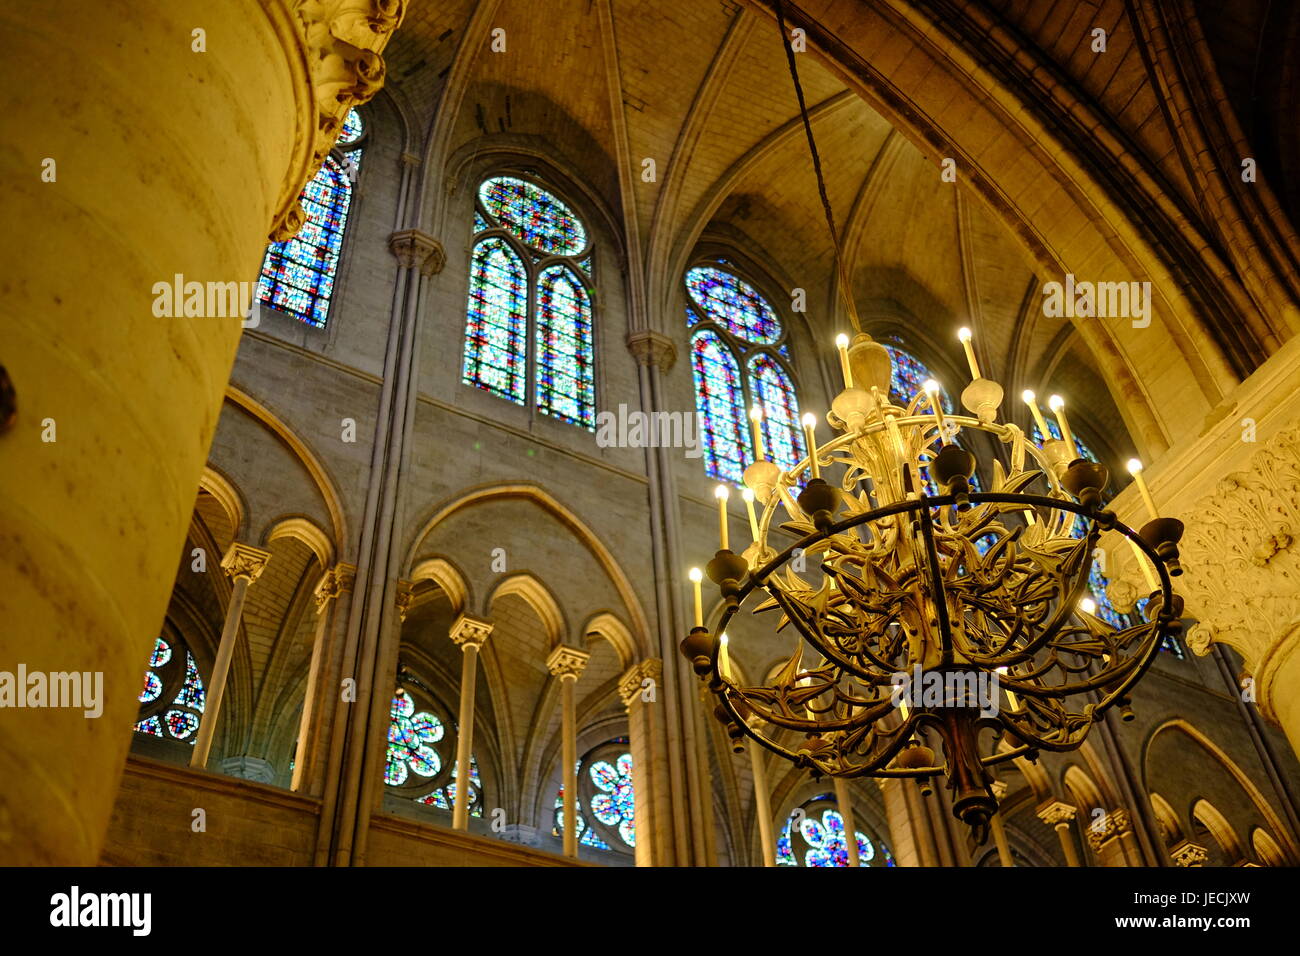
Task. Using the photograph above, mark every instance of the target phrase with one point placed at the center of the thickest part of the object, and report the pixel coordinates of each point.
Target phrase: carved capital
(335, 581)
(1056, 813)
(1239, 549)
(1189, 854)
(566, 662)
(245, 561)
(1107, 826)
(341, 41)
(632, 683)
(415, 248)
(470, 632)
(652, 348)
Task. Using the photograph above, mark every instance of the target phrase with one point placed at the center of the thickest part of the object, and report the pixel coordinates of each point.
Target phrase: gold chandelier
(923, 607)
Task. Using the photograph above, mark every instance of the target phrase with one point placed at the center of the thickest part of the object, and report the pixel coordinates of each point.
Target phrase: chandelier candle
(748, 497)
(932, 395)
(696, 576)
(756, 426)
(964, 335)
(1032, 401)
(722, 493)
(1057, 404)
(842, 343)
(809, 430)
(1135, 469)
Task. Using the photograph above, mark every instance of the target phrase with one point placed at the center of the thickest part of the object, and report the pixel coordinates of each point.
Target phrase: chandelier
(926, 611)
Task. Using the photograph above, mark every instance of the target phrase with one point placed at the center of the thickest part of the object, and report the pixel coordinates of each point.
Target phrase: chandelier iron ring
(743, 718)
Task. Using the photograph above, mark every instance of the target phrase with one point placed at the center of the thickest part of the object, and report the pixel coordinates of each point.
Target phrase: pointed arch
(447, 577)
(220, 487)
(1208, 815)
(532, 592)
(609, 627)
(1171, 828)
(1266, 848)
(308, 533)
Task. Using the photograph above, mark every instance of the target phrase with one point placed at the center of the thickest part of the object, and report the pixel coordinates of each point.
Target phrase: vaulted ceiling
(703, 89)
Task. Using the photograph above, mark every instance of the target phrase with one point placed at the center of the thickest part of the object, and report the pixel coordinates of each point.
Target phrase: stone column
(244, 563)
(468, 633)
(118, 391)
(567, 663)
(844, 803)
(1112, 840)
(901, 838)
(999, 830)
(1058, 815)
(762, 802)
(336, 581)
(639, 689)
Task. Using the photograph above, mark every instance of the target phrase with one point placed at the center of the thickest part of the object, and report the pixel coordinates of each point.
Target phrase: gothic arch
(536, 595)
(449, 579)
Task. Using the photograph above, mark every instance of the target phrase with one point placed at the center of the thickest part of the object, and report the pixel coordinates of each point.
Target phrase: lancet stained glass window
(298, 274)
(172, 699)
(736, 328)
(531, 268)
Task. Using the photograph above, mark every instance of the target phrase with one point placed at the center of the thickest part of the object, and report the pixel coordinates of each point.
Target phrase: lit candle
(696, 577)
(748, 496)
(932, 393)
(1141, 559)
(842, 343)
(756, 425)
(809, 430)
(1057, 404)
(1031, 401)
(1135, 469)
(1011, 698)
(1087, 605)
(724, 661)
(722, 493)
(965, 336)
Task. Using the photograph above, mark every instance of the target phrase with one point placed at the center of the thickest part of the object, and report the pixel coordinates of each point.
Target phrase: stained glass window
(610, 801)
(533, 216)
(566, 387)
(172, 698)
(496, 335)
(411, 737)
(444, 798)
(720, 399)
(515, 286)
(298, 274)
(736, 328)
(908, 375)
(814, 835)
(774, 393)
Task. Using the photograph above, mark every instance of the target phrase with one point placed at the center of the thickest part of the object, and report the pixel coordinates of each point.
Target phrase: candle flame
(1134, 466)
(841, 341)
(964, 334)
(1056, 403)
(722, 492)
(696, 575)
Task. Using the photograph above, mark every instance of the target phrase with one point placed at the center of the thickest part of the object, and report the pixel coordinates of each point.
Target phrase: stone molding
(1056, 813)
(1111, 825)
(652, 348)
(334, 582)
(1189, 854)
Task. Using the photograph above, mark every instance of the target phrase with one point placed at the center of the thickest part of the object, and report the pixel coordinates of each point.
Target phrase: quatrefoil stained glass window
(172, 700)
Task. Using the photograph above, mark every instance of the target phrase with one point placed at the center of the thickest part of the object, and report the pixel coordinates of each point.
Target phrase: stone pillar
(567, 663)
(1058, 815)
(337, 581)
(901, 838)
(125, 179)
(468, 633)
(999, 830)
(639, 689)
(844, 803)
(1113, 841)
(1188, 853)
(763, 803)
(244, 563)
